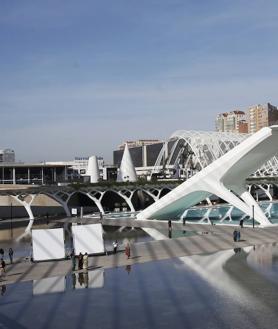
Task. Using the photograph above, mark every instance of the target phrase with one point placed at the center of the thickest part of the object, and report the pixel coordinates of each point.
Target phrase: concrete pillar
(166, 152)
(66, 174)
(55, 175)
(28, 175)
(42, 179)
(14, 180)
(144, 155)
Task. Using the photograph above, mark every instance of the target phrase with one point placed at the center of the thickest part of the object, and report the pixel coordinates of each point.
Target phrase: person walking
(3, 289)
(11, 253)
(80, 261)
(241, 223)
(115, 246)
(127, 250)
(85, 261)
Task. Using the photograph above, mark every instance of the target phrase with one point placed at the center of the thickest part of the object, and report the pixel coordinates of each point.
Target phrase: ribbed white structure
(127, 171)
(224, 177)
(93, 170)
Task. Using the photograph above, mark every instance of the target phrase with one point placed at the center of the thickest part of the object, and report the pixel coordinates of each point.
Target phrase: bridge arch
(80, 199)
(111, 200)
(164, 191)
(141, 199)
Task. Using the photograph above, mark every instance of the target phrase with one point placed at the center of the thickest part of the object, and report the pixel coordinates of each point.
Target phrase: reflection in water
(73, 279)
(85, 279)
(237, 250)
(235, 271)
(128, 268)
(220, 287)
(228, 214)
(3, 290)
(210, 268)
(49, 285)
(264, 259)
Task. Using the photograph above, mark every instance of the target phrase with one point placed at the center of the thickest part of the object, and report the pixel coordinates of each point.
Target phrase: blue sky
(79, 77)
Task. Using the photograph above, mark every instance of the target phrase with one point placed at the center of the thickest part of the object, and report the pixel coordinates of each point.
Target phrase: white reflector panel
(48, 244)
(88, 238)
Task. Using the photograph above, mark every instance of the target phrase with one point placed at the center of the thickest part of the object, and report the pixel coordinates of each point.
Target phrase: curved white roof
(201, 148)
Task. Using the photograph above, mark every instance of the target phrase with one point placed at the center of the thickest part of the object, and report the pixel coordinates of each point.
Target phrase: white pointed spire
(93, 170)
(127, 171)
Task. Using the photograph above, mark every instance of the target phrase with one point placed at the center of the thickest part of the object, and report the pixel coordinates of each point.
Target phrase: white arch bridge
(131, 198)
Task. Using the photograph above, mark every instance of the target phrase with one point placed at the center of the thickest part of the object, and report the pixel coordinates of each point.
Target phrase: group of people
(11, 254)
(81, 260)
(127, 248)
(3, 263)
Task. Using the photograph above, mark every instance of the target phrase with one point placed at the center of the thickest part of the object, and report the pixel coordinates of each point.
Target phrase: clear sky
(79, 77)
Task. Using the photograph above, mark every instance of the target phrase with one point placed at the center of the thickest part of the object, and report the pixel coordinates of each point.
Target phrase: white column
(144, 155)
(55, 175)
(28, 175)
(42, 176)
(66, 173)
(14, 180)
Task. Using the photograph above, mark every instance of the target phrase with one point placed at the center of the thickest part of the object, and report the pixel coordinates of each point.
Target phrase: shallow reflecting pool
(231, 289)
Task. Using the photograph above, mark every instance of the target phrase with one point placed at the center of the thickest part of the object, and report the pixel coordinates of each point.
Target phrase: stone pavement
(219, 238)
(156, 224)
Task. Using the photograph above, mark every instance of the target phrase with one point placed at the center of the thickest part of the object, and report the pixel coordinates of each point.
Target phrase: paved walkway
(156, 224)
(219, 239)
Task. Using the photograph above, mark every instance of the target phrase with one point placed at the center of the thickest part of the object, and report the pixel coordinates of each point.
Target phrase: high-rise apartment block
(234, 122)
(260, 116)
(257, 117)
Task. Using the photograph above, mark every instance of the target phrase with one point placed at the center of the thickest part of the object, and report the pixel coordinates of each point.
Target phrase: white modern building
(224, 177)
(187, 152)
(7, 156)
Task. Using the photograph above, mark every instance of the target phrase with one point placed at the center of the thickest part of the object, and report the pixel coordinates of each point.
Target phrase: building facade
(260, 116)
(138, 143)
(231, 122)
(7, 156)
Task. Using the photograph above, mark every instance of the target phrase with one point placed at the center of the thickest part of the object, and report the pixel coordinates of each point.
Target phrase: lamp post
(253, 219)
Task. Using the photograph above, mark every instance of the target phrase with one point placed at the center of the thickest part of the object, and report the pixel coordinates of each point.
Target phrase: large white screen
(88, 238)
(48, 244)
